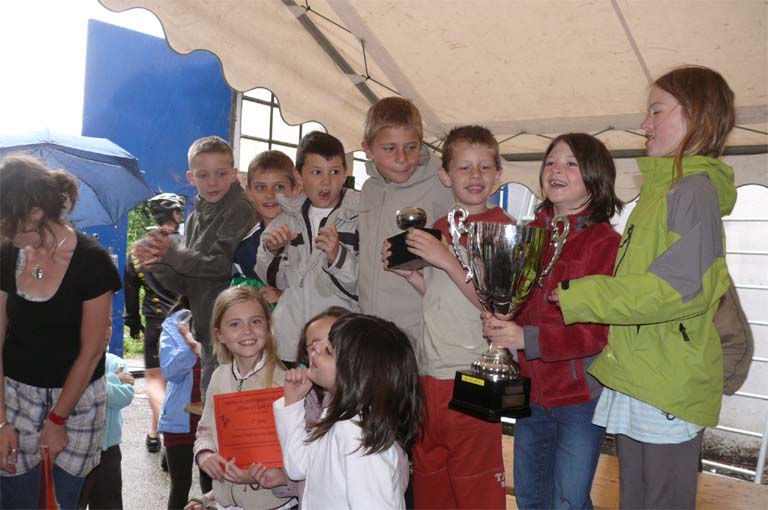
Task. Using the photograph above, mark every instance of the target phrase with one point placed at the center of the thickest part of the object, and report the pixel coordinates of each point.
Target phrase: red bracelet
(56, 419)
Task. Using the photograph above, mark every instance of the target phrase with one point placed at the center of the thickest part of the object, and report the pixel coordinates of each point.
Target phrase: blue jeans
(23, 491)
(556, 454)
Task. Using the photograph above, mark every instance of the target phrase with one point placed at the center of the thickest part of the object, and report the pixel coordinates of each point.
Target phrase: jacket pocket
(683, 332)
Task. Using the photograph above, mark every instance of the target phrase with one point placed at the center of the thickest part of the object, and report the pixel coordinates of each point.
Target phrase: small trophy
(401, 258)
(504, 262)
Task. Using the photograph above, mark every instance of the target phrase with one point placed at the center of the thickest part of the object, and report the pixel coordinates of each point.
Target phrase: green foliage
(138, 221)
(132, 348)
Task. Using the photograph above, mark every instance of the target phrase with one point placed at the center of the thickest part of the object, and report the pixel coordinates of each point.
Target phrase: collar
(240, 379)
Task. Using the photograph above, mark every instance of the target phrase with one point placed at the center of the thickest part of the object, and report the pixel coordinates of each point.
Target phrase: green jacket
(669, 275)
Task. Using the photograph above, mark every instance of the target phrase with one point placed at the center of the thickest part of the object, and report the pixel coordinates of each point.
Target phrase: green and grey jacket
(669, 275)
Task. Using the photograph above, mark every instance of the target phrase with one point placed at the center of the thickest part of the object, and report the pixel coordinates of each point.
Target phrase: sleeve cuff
(531, 339)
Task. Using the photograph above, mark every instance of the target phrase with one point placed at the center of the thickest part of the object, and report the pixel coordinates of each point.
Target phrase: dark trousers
(180, 463)
(658, 475)
(103, 487)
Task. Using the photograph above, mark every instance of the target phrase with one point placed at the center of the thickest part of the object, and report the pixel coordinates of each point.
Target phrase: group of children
(372, 351)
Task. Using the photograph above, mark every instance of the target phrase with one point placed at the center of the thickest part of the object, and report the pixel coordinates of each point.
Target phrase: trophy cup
(504, 262)
(401, 258)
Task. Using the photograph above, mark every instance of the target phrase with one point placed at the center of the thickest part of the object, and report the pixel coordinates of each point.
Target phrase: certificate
(245, 427)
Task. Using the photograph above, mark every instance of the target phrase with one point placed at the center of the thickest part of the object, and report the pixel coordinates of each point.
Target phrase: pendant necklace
(37, 272)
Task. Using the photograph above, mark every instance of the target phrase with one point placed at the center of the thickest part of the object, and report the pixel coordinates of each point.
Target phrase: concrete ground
(145, 484)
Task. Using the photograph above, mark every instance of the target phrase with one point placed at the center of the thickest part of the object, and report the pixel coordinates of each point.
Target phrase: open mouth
(247, 343)
(556, 183)
(475, 189)
(325, 195)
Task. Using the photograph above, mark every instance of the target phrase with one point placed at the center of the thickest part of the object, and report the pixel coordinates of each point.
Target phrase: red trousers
(457, 461)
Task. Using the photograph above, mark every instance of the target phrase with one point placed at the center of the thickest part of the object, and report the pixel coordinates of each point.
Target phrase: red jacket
(556, 356)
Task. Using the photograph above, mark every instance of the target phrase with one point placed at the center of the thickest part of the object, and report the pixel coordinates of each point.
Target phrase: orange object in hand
(47, 489)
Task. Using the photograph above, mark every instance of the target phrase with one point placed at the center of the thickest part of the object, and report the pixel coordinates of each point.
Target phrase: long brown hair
(377, 383)
(597, 171)
(707, 104)
(230, 297)
(27, 183)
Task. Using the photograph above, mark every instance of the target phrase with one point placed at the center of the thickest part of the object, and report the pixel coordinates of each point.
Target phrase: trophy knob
(409, 217)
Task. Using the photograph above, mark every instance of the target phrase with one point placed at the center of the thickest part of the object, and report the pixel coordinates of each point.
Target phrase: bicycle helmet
(162, 206)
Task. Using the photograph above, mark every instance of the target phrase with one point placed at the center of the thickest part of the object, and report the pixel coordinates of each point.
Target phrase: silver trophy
(504, 262)
(406, 219)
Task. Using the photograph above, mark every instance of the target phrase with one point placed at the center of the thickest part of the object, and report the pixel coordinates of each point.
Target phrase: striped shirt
(622, 414)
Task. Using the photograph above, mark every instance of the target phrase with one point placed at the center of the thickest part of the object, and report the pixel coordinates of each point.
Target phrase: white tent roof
(527, 69)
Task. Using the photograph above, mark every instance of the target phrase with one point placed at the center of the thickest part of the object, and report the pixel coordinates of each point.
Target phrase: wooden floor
(715, 492)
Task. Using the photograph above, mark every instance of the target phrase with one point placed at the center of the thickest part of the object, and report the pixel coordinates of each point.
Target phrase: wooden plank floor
(715, 492)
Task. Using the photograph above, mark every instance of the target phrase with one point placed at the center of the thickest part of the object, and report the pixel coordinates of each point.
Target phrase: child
(557, 447)
(200, 267)
(167, 209)
(310, 250)
(269, 174)
(103, 487)
(457, 461)
(180, 362)
(402, 174)
(663, 367)
(352, 455)
(246, 350)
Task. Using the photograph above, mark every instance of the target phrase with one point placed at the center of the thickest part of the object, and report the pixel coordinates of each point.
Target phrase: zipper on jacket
(624, 244)
(684, 333)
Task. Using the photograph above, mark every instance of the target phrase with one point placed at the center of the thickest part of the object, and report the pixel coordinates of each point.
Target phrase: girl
(245, 348)
(557, 447)
(351, 458)
(56, 288)
(663, 366)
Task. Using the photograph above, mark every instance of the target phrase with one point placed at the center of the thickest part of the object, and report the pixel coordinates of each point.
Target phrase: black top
(42, 339)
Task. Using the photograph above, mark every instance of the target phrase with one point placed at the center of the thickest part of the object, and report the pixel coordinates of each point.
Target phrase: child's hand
(429, 248)
(268, 477)
(297, 385)
(554, 297)
(213, 464)
(503, 333)
(328, 240)
(125, 377)
(270, 294)
(193, 344)
(234, 474)
(279, 238)
(198, 504)
(151, 249)
(386, 252)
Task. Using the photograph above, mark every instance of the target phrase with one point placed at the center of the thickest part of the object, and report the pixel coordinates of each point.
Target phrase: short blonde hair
(207, 144)
(271, 161)
(392, 112)
(228, 298)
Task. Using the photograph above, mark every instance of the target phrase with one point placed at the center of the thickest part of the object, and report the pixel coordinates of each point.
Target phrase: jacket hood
(206, 208)
(660, 172)
(422, 172)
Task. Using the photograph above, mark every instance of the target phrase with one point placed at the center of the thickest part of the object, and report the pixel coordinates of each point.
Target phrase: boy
(457, 461)
(402, 174)
(310, 250)
(200, 266)
(269, 174)
(167, 209)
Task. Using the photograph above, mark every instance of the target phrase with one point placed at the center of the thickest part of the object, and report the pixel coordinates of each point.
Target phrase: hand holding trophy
(401, 258)
(504, 262)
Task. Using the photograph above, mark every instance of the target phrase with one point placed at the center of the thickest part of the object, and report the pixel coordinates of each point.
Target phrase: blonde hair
(391, 112)
(707, 104)
(229, 298)
(210, 144)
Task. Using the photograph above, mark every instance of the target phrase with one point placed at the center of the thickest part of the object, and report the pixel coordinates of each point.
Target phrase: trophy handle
(558, 240)
(456, 228)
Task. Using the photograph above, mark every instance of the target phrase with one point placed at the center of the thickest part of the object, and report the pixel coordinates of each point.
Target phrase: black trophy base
(401, 258)
(490, 400)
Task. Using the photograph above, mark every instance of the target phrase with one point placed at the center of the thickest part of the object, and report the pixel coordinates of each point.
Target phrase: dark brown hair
(210, 144)
(472, 135)
(597, 171)
(391, 112)
(707, 103)
(377, 383)
(317, 142)
(27, 183)
(333, 311)
(271, 161)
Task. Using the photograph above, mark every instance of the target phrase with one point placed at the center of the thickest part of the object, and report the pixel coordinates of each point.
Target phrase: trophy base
(401, 258)
(489, 400)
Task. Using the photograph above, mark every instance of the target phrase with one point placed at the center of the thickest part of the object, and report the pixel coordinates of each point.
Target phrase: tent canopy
(528, 69)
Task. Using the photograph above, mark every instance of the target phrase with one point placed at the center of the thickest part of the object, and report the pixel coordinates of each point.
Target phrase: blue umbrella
(111, 183)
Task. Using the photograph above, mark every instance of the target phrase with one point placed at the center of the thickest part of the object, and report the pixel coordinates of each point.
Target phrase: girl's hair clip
(302, 365)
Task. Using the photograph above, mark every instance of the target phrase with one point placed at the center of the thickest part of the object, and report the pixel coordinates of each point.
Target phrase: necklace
(37, 272)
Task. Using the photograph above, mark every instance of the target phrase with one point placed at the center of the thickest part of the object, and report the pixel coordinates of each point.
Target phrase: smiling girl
(557, 447)
(663, 365)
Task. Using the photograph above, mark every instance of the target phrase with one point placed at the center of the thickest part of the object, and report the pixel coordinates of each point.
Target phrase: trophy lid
(408, 217)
